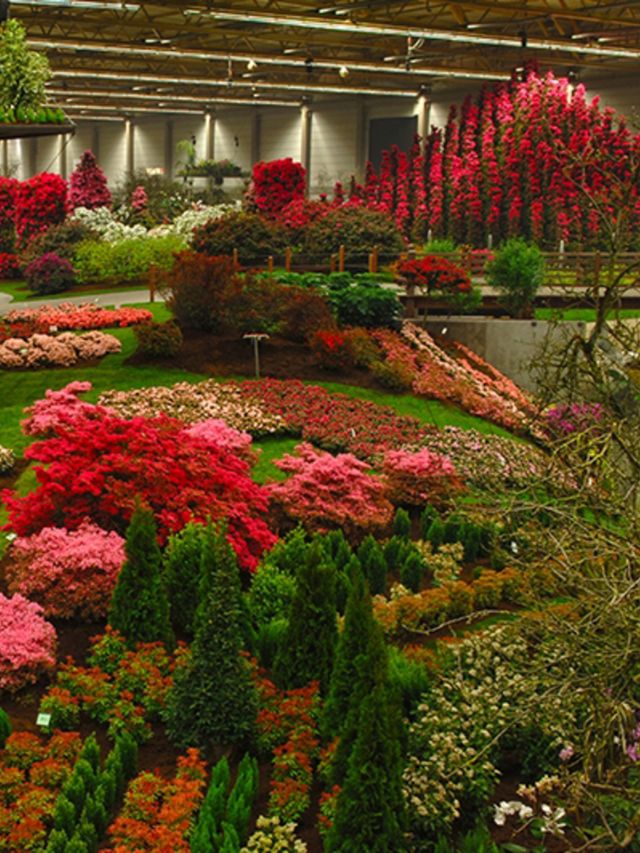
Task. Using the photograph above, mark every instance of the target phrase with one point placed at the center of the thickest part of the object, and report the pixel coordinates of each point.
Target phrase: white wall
(339, 132)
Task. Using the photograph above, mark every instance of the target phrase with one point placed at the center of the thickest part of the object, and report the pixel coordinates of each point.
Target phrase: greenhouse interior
(319, 426)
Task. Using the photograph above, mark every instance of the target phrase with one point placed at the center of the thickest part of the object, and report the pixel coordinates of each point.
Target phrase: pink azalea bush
(70, 317)
(27, 643)
(326, 491)
(216, 432)
(419, 477)
(60, 351)
(59, 408)
(71, 573)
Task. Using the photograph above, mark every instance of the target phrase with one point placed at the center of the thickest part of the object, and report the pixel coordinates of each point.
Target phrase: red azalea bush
(420, 477)
(27, 643)
(39, 203)
(327, 491)
(49, 274)
(330, 348)
(99, 463)
(69, 572)
(158, 813)
(276, 184)
(434, 274)
(299, 213)
(9, 266)
(8, 187)
(88, 184)
(70, 317)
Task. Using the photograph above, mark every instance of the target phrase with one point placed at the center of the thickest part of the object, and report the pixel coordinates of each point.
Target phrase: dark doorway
(385, 132)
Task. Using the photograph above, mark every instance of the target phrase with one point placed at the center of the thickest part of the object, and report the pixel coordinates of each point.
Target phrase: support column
(424, 114)
(95, 140)
(210, 135)
(5, 157)
(62, 156)
(32, 158)
(305, 141)
(129, 164)
(362, 138)
(255, 137)
(168, 150)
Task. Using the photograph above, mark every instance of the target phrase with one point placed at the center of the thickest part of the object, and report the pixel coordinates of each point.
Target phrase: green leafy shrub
(408, 678)
(373, 564)
(255, 237)
(517, 271)
(62, 239)
(158, 340)
(5, 727)
(126, 260)
(23, 73)
(359, 229)
(181, 562)
(392, 374)
(271, 593)
(368, 305)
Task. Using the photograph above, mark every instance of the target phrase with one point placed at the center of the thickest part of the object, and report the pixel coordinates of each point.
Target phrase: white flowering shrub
(7, 459)
(490, 689)
(273, 835)
(184, 224)
(106, 224)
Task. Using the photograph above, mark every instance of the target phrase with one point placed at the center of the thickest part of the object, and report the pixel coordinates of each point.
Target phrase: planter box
(30, 131)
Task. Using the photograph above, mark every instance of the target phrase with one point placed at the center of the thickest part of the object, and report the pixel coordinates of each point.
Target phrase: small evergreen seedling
(5, 728)
(139, 606)
(412, 571)
(373, 564)
(435, 534)
(428, 514)
(181, 575)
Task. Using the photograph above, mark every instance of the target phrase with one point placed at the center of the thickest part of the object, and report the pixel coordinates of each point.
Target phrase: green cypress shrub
(269, 640)
(139, 606)
(64, 815)
(113, 773)
(402, 523)
(91, 752)
(77, 845)
(74, 790)
(452, 528)
(435, 534)
(289, 553)
(85, 771)
(353, 642)
(57, 841)
(306, 653)
(428, 514)
(231, 840)
(343, 582)
(370, 807)
(106, 791)
(213, 699)
(5, 727)
(471, 538)
(412, 571)
(126, 749)
(181, 575)
(271, 593)
(373, 564)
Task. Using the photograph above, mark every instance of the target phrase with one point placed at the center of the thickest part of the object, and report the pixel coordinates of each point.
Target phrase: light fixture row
(74, 94)
(285, 59)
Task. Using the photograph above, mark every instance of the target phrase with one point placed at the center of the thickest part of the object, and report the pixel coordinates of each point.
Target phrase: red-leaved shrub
(328, 491)
(69, 572)
(434, 274)
(88, 184)
(27, 643)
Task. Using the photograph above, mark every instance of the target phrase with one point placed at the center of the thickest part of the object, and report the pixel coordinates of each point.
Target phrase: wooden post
(373, 267)
(332, 263)
(152, 283)
(341, 259)
(270, 263)
(235, 258)
(287, 259)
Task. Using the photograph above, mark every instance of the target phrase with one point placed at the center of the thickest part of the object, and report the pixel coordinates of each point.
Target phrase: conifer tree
(373, 564)
(139, 607)
(401, 523)
(181, 574)
(213, 699)
(353, 642)
(308, 647)
(369, 811)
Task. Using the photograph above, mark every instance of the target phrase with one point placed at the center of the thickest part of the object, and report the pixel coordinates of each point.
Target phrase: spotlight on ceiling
(252, 65)
(343, 71)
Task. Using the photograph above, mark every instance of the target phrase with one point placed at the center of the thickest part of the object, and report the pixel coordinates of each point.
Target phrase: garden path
(116, 299)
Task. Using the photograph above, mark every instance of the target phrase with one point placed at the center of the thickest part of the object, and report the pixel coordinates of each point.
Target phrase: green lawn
(18, 290)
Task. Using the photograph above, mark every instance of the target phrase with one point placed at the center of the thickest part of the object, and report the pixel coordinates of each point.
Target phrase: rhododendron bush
(88, 185)
(69, 572)
(327, 491)
(97, 463)
(508, 163)
(61, 351)
(39, 203)
(68, 317)
(27, 643)
(276, 184)
(419, 478)
(9, 266)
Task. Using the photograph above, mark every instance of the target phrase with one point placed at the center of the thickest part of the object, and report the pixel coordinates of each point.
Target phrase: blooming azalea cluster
(420, 477)
(158, 813)
(433, 274)
(276, 184)
(97, 463)
(27, 643)
(567, 419)
(33, 771)
(60, 351)
(69, 572)
(9, 266)
(40, 203)
(70, 317)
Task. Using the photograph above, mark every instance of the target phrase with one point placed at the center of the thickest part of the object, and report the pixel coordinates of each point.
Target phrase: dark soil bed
(233, 356)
